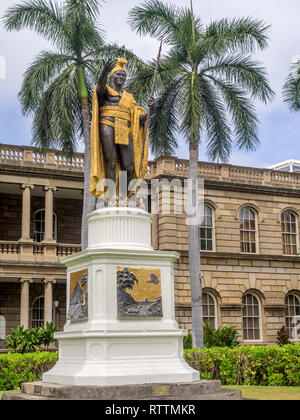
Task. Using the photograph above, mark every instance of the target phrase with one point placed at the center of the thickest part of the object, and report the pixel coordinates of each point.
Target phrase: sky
(278, 129)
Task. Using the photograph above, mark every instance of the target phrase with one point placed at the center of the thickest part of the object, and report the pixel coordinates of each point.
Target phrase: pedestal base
(120, 301)
(201, 390)
(120, 358)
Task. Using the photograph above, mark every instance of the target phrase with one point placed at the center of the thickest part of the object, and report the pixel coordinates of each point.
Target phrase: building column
(48, 300)
(26, 210)
(49, 213)
(24, 304)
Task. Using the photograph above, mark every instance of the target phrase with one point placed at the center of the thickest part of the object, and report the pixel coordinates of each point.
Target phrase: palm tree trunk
(194, 258)
(88, 199)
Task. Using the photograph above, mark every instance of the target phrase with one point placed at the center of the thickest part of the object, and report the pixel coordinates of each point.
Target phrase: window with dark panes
(248, 230)
(206, 230)
(251, 317)
(289, 233)
(38, 312)
(39, 226)
(209, 310)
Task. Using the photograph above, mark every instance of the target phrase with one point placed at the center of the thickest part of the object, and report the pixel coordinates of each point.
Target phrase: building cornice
(228, 255)
(239, 187)
(42, 173)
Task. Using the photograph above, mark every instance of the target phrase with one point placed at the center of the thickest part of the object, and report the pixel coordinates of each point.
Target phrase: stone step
(15, 396)
(201, 390)
(221, 395)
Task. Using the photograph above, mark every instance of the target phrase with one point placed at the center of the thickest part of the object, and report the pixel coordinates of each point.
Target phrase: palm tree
(291, 88)
(57, 87)
(206, 86)
(126, 280)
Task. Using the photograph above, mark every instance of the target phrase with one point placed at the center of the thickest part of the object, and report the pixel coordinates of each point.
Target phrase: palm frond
(46, 67)
(240, 69)
(216, 124)
(140, 84)
(166, 22)
(242, 112)
(57, 119)
(164, 124)
(191, 108)
(87, 8)
(156, 19)
(189, 32)
(244, 34)
(83, 35)
(45, 17)
(291, 89)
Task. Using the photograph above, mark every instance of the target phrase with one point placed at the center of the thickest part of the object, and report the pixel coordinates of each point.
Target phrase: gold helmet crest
(120, 65)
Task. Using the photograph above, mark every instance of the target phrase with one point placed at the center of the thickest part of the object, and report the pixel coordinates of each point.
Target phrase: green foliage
(283, 336)
(222, 337)
(18, 368)
(188, 340)
(207, 80)
(291, 88)
(250, 365)
(24, 341)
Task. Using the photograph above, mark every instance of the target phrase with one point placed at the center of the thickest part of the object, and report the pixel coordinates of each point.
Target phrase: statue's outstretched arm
(102, 81)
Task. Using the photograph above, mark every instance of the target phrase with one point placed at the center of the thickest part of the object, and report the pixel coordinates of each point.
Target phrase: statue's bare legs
(114, 153)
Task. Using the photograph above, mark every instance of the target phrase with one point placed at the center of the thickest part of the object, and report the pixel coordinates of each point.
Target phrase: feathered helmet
(120, 65)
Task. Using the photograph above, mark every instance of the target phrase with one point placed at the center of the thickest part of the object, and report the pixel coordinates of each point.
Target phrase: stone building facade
(249, 241)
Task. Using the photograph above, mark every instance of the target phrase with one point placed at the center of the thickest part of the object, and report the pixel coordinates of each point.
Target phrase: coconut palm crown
(207, 85)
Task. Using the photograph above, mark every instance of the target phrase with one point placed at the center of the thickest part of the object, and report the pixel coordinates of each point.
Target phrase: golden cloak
(137, 131)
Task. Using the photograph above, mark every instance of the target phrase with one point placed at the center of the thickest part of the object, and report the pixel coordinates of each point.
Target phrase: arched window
(206, 230)
(39, 226)
(248, 228)
(209, 306)
(289, 233)
(292, 309)
(2, 328)
(251, 317)
(38, 312)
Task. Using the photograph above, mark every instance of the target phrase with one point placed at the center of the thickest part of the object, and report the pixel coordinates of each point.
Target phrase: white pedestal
(107, 350)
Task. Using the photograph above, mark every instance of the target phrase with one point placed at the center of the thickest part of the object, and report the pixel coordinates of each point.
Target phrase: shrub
(222, 337)
(250, 365)
(18, 368)
(283, 336)
(188, 340)
(24, 341)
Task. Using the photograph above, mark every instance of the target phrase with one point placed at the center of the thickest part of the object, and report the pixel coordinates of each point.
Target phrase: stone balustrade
(28, 156)
(225, 173)
(9, 248)
(55, 160)
(66, 250)
(34, 249)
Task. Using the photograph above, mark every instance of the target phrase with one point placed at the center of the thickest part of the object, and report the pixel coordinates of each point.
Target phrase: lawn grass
(268, 392)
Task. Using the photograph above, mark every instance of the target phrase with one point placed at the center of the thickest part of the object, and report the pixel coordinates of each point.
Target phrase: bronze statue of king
(117, 130)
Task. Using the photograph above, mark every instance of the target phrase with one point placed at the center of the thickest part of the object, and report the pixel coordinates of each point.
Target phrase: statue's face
(119, 78)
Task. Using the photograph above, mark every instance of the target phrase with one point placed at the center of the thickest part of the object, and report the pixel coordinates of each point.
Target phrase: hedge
(17, 368)
(249, 365)
(264, 365)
